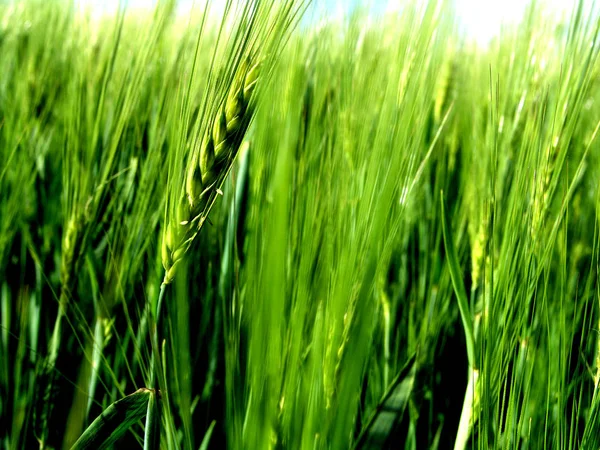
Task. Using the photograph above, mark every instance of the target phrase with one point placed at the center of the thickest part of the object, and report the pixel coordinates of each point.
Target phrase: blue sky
(481, 19)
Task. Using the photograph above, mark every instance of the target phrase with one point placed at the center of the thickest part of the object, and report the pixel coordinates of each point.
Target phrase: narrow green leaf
(378, 429)
(591, 439)
(114, 421)
(207, 436)
(457, 282)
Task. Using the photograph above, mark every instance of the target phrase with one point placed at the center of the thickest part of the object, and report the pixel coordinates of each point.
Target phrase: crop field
(252, 227)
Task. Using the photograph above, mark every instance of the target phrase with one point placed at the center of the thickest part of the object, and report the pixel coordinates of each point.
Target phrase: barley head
(209, 165)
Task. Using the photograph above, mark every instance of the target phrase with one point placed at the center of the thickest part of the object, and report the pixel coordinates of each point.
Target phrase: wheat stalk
(207, 169)
(71, 249)
(479, 244)
(543, 188)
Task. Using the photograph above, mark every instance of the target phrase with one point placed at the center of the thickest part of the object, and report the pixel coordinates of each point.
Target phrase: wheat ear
(209, 166)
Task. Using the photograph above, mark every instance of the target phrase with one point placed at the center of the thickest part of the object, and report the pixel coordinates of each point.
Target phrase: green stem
(152, 434)
(466, 416)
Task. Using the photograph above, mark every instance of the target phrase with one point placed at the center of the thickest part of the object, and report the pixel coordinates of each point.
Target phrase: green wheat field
(249, 228)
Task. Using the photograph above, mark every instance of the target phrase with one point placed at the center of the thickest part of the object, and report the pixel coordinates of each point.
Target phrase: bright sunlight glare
(481, 20)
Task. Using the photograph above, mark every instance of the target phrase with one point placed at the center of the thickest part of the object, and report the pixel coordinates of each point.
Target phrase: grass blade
(388, 414)
(114, 421)
(207, 436)
(457, 283)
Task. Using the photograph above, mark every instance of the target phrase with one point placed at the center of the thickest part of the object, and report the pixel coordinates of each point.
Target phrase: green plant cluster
(402, 249)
